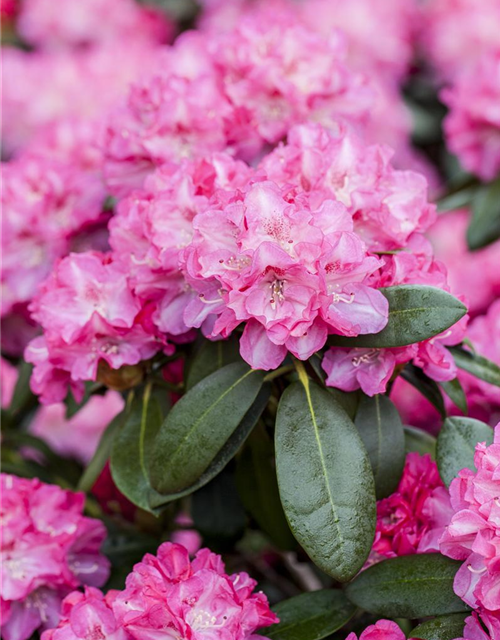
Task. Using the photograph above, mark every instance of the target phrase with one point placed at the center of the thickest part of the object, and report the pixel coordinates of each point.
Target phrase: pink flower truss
(413, 518)
(472, 127)
(78, 436)
(77, 23)
(456, 33)
(181, 599)
(41, 88)
(381, 630)
(234, 92)
(48, 548)
(46, 201)
(473, 534)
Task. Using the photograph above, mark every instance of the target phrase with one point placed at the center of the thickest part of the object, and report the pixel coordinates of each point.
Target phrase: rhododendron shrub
(250, 328)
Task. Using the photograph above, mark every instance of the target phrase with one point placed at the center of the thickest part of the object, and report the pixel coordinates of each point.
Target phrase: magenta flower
(381, 630)
(48, 548)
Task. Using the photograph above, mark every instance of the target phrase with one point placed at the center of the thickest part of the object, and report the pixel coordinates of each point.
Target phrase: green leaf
(476, 365)
(132, 447)
(484, 227)
(455, 393)
(227, 452)
(420, 441)
(441, 628)
(72, 406)
(103, 451)
(416, 313)
(200, 424)
(325, 479)
(22, 392)
(381, 430)
(413, 586)
(258, 488)
(218, 513)
(427, 387)
(210, 357)
(458, 199)
(310, 616)
(456, 444)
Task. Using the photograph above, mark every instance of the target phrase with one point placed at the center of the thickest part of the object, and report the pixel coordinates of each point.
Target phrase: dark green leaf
(458, 199)
(258, 489)
(420, 441)
(484, 227)
(132, 448)
(441, 628)
(310, 616)
(455, 393)
(414, 586)
(199, 426)
(217, 511)
(416, 313)
(72, 406)
(22, 392)
(381, 430)
(456, 445)
(427, 387)
(103, 451)
(210, 357)
(227, 452)
(325, 479)
(476, 365)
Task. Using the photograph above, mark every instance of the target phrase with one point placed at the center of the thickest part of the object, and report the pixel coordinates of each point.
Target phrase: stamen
(338, 297)
(472, 570)
(201, 296)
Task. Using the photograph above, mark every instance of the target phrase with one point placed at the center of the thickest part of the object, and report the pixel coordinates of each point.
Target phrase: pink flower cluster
(233, 92)
(473, 534)
(381, 630)
(472, 127)
(80, 23)
(290, 248)
(413, 518)
(167, 595)
(47, 548)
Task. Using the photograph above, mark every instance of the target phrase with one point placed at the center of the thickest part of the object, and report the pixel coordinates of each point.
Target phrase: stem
(279, 372)
(301, 370)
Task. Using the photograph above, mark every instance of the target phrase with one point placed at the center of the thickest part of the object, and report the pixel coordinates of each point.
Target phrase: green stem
(279, 372)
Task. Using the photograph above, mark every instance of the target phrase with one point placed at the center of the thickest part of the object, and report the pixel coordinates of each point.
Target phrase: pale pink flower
(77, 23)
(413, 518)
(472, 126)
(473, 534)
(48, 548)
(78, 436)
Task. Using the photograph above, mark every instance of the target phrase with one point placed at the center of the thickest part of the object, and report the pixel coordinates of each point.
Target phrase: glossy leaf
(456, 444)
(325, 479)
(427, 387)
(416, 313)
(210, 357)
(420, 441)
(310, 616)
(227, 452)
(413, 586)
(199, 426)
(476, 365)
(132, 447)
(455, 393)
(258, 488)
(381, 430)
(441, 628)
(484, 227)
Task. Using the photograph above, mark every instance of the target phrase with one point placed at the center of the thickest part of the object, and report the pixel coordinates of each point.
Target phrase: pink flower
(381, 630)
(48, 548)
(80, 24)
(476, 624)
(194, 599)
(78, 436)
(472, 127)
(87, 615)
(413, 518)
(473, 534)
